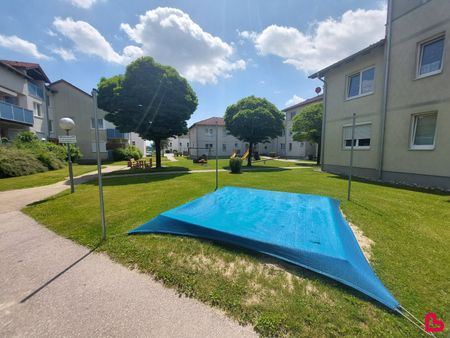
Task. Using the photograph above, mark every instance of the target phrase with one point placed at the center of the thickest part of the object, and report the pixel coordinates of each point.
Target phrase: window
(37, 108)
(361, 83)
(281, 145)
(208, 145)
(293, 115)
(50, 126)
(362, 136)
(187, 144)
(235, 145)
(208, 131)
(290, 146)
(224, 147)
(302, 144)
(170, 144)
(423, 131)
(181, 144)
(100, 123)
(133, 143)
(102, 147)
(430, 57)
(282, 132)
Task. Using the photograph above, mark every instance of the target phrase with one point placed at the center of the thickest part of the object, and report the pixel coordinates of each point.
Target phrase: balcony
(115, 134)
(35, 91)
(13, 113)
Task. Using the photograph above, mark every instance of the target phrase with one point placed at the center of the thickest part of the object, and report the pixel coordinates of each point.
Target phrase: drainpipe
(385, 90)
(324, 118)
(46, 103)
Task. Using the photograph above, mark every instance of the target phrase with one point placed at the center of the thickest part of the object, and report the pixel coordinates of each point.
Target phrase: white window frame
(37, 105)
(209, 132)
(93, 126)
(347, 87)
(412, 146)
(102, 145)
(420, 46)
(356, 146)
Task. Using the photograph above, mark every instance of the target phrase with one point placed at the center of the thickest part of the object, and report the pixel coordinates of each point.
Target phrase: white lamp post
(67, 124)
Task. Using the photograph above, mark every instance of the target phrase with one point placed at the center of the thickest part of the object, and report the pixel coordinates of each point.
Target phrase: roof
(71, 85)
(33, 70)
(305, 103)
(348, 59)
(212, 121)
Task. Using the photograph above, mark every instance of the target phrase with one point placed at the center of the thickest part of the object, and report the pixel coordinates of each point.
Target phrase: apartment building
(398, 90)
(23, 99)
(28, 101)
(202, 139)
(286, 146)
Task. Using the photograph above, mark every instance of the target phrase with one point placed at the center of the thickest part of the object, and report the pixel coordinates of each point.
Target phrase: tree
(150, 99)
(307, 126)
(253, 120)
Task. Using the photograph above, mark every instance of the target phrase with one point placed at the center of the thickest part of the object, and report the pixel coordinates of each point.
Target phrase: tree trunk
(250, 152)
(158, 153)
(318, 153)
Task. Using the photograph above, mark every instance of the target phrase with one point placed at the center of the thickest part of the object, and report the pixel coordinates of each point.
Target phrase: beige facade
(403, 113)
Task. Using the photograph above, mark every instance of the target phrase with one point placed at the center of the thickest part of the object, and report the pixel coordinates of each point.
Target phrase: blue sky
(227, 49)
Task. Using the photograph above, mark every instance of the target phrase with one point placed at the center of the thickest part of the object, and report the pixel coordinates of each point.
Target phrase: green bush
(126, 154)
(18, 162)
(236, 165)
(52, 155)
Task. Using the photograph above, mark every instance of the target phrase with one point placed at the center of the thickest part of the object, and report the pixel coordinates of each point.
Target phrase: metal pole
(217, 155)
(69, 158)
(351, 158)
(99, 166)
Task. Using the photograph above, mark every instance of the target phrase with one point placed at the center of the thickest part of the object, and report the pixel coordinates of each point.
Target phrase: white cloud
(51, 33)
(294, 100)
(330, 40)
(19, 45)
(89, 41)
(171, 37)
(85, 4)
(66, 55)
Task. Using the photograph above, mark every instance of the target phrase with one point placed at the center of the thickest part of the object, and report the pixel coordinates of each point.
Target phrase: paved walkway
(52, 287)
(170, 157)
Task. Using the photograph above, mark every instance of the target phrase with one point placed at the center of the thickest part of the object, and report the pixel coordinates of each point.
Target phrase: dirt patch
(365, 243)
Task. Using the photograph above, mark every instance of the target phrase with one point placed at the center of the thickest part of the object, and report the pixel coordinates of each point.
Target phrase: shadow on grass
(431, 191)
(138, 179)
(299, 271)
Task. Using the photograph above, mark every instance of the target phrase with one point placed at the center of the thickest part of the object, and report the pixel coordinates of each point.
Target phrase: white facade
(22, 100)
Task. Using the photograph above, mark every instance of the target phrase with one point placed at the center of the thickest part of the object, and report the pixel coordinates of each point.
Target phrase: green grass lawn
(185, 164)
(410, 230)
(40, 179)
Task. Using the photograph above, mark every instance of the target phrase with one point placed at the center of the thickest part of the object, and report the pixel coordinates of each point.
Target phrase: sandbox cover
(305, 230)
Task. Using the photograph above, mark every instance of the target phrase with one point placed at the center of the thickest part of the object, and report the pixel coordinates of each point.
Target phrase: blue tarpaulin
(305, 230)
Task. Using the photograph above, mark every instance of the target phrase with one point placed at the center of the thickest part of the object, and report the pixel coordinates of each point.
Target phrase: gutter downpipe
(322, 141)
(385, 90)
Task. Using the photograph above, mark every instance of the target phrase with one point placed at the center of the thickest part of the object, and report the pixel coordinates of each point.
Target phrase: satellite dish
(318, 90)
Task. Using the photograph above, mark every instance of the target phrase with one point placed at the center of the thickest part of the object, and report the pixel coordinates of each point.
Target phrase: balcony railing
(11, 112)
(35, 90)
(112, 133)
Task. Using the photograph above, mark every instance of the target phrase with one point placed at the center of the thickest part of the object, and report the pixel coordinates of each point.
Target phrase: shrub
(18, 162)
(126, 154)
(26, 137)
(236, 165)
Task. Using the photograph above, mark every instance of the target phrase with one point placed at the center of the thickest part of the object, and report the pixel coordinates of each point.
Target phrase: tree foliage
(254, 120)
(307, 125)
(150, 99)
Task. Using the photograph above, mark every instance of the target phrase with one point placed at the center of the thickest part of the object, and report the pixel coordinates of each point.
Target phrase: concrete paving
(52, 287)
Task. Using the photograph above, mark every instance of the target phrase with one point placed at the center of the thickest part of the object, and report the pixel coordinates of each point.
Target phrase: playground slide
(247, 152)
